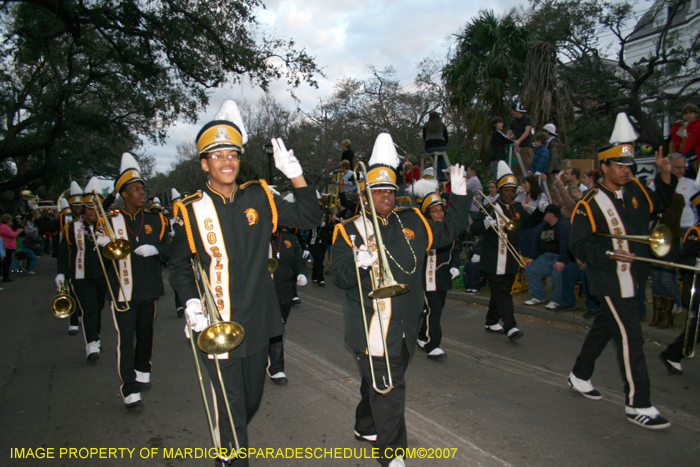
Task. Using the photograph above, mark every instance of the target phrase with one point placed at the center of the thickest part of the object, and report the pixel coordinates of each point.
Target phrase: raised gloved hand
(60, 278)
(542, 204)
(454, 272)
(302, 280)
(285, 160)
(365, 258)
(305, 254)
(490, 222)
(146, 250)
(194, 314)
(172, 233)
(102, 239)
(458, 180)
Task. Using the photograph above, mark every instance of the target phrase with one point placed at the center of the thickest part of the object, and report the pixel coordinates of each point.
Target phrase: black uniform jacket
(68, 263)
(689, 255)
(607, 277)
(147, 278)
(291, 264)
(401, 227)
(246, 220)
(490, 253)
(447, 257)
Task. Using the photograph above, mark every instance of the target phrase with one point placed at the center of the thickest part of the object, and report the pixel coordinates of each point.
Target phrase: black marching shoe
(180, 312)
(279, 378)
(649, 418)
(495, 328)
(514, 334)
(143, 387)
(296, 300)
(584, 387)
(136, 406)
(673, 368)
(93, 357)
(368, 438)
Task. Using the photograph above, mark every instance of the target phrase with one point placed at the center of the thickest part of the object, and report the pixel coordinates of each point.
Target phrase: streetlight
(270, 152)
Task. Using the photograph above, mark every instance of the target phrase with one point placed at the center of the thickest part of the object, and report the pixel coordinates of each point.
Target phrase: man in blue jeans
(550, 258)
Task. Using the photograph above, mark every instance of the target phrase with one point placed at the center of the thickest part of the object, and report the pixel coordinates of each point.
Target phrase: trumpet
(117, 248)
(511, 226)
(219, 337)
(62, 305)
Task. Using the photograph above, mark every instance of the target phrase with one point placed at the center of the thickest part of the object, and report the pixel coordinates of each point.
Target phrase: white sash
(124, 265)
(430, 271)
(382, 306)
(213, 240)
(502, 259)
(80, 244)
(616, 227)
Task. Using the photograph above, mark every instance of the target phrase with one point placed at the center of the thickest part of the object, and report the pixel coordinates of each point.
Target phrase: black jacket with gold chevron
(690, 253)
(68, 261)
(602, 212)
(407, 236)
(243, 289)
(143, 228)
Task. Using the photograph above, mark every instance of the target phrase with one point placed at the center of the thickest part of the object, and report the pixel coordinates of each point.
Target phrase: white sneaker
(584, 387)
(494, 328)
(397, 462)
(552, 305)
(534, 301)
(437, 354)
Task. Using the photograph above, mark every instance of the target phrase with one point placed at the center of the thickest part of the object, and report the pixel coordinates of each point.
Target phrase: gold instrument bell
(272, 265)
(62, 305)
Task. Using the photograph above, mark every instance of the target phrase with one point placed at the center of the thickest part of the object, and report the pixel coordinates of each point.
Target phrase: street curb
(665, 336)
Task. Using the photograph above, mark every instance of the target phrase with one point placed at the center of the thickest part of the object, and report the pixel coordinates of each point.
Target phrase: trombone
(62, 305)
(219, 337)
(691, 338)
(511, 226)
(117, 248)
(104, 271)
(659, 241)
(387, 286)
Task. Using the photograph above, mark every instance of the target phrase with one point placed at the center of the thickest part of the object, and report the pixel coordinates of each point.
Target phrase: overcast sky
(347, 37)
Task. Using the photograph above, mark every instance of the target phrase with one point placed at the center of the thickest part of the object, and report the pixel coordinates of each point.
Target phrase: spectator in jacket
(555, 148)
(551, 255)
(499, 144)
(685, 133)
(436, 138)
(9, 238)
(540, 162)
(520, 129)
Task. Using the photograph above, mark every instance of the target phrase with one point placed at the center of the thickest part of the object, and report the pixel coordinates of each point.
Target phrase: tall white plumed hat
(174, 195)
(76, 194)
(226, 131)
(129, 172)
(63, 205)
(92, 185)
(505, 176)
(381, 172)
(621, 147)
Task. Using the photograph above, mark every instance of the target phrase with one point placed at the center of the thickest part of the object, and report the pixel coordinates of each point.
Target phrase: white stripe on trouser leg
(427, 319)
(119, 342)
(82, 312)
(625, 351)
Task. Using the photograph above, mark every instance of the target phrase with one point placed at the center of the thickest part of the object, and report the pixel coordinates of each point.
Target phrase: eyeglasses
(218, 157)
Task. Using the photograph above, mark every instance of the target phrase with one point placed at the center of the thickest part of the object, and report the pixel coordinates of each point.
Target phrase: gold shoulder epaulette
(404, 208)
(192, 198)
(590, 194)
(251, 182)
(352, 219)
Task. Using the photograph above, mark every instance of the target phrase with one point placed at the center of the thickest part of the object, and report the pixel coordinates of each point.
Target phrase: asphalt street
(490, 403)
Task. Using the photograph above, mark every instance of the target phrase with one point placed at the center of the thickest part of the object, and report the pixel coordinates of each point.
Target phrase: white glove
(458, 180)
(489, 222)
(146, 250)
(172, 233)
(305, 254)
(194, 314)
(365, 258)
(476, 258)
(454, 272)
(60, 278)
(542, 205)
(302, 280)
(102, 239)
(285, 160)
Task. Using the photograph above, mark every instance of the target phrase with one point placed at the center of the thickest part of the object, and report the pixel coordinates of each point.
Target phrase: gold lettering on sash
(211, 237)
(218, 264)
(215, 252)
(208, 225)
(219, 291)
(218, 278)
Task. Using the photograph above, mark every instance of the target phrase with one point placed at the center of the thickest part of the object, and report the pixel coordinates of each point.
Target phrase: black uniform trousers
(318, 251)
(618, 319)
(74, 319)
(90, 295)
(674, 352)
(244, 379)
(276, 353)
(383, 414)
(501, 303)
(135, 337)
(430, 329)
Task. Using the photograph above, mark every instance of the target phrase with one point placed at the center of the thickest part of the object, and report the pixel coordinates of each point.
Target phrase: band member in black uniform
(441, 268)
(672, 356)
(497, 260)
(78, 263)
(228, 227)
(320, 239)
(75, 201)
(175, 197)
(407, 236)
(291, 271)
(140, 281)
(618, 204)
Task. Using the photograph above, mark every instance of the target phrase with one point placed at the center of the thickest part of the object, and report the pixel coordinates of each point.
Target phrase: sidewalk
(651, 334)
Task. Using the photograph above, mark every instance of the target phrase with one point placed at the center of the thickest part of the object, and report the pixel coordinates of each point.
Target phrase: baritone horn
(219, 337)
(62, 305)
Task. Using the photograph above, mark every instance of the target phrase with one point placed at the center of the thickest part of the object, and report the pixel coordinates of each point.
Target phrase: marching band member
(291, 271)
(140, 281)
(497, 259)
(441, 268)
(175, 197)
(620, 205)
(75, 202)
(155, 206)
(407, 235)
(79, 265)
(228, 227)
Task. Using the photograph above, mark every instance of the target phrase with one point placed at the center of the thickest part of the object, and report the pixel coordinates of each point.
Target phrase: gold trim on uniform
(410, 234)
(623, 150)
(252, 216)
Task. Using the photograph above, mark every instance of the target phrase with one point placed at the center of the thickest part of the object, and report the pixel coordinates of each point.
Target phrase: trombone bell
(272, 265)
(389, 290)
(116, 249)
(220, 337)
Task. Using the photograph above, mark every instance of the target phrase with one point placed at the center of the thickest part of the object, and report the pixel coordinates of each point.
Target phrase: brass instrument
(334, 201)
(272, 265)
(219, 337)
(60, 197)
(62, 305)
(117, 248)
(691, 338)
(29, 196)
(104, 271)
(659, 241)
(511, 226)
